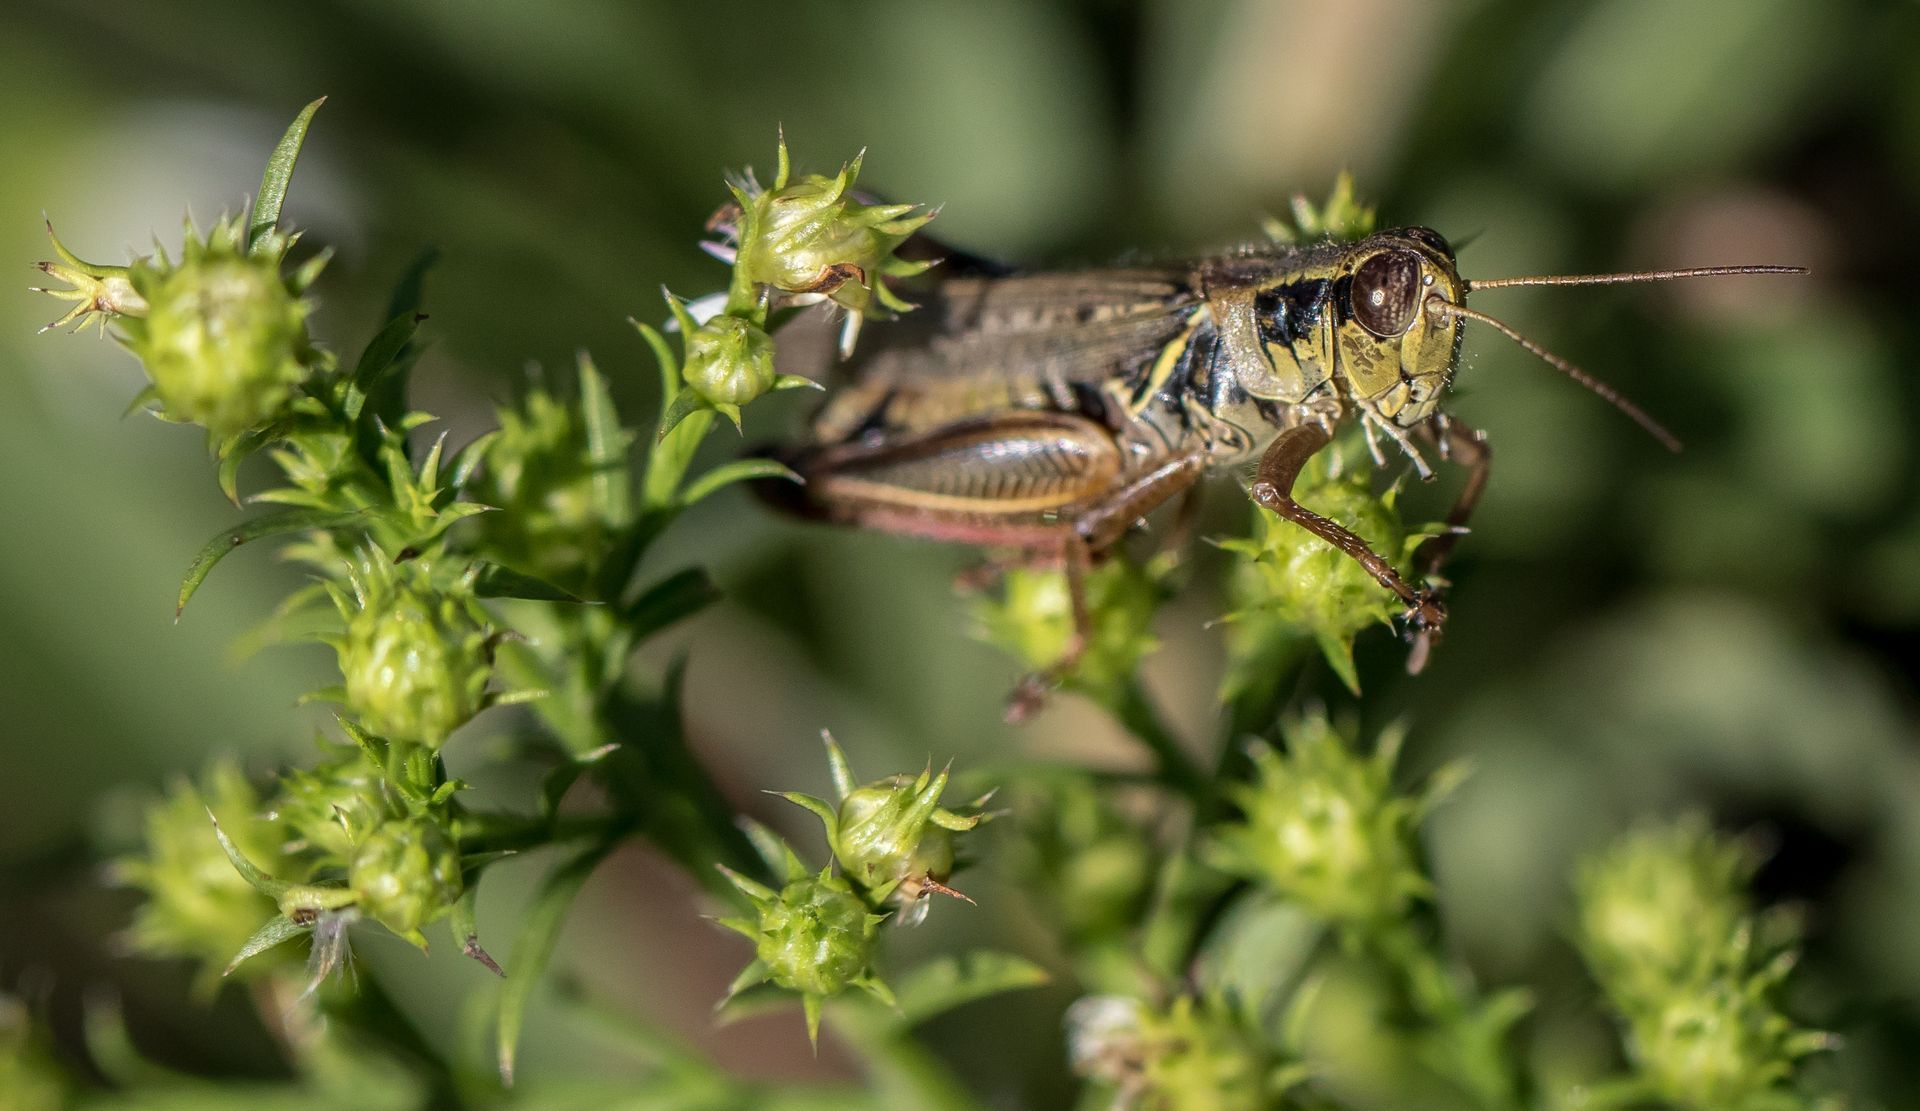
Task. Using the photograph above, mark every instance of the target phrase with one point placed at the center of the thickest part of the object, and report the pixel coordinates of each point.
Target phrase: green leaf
(249, 871)
(381, 355)
(538, 937)
(561, 779)
(494, 580)
(672, 599)
(740, 470)
(273, 185)
(948, 982)
(279, 928)
(466, 930)
(273, 524)
(684, 404)
(606, 446)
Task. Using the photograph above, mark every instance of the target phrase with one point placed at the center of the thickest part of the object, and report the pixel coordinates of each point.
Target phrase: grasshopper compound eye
(1385, 288)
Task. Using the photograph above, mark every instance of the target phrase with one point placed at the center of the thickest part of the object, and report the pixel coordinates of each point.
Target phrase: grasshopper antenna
(1632, 276)
(1442, 307)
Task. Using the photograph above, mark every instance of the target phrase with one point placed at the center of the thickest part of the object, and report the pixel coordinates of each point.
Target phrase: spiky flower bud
(415, 657)
(197, 905)
(1289, 583)
(815, 936)
(545, 474)
(1033, 621)
(1660, 905)
(729, 361)
(1323, 825)
(405, 874)
(892, 836)
(813, 237)
(1190, 1057)
(224, 334)
(329, 809)
(1666, 925)
(99, 293)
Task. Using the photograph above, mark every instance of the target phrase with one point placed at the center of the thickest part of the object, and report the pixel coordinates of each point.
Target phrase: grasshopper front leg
(1273, 489)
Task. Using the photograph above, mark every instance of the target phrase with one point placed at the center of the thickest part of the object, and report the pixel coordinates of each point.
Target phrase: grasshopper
(1048, 413)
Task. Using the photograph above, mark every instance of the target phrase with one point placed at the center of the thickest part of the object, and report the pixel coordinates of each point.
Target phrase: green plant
(1271, 940)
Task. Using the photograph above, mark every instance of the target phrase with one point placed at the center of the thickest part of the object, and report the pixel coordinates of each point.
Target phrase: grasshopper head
(1396, 356)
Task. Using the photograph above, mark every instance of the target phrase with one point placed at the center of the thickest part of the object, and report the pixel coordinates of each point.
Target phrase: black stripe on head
(1288, 311)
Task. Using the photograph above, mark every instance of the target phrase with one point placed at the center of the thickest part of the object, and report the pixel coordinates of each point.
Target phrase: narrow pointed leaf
(942, 984)
(534, 948)
(497, 581)
(249, 871)
(279, 928)
(606, 446)
(273, 185)
(740, 470)
(380, 356)
(273, 524)
(672, 599)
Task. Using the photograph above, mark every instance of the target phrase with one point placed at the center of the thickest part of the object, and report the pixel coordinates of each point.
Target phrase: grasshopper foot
(1425, 617)
(1029, 697)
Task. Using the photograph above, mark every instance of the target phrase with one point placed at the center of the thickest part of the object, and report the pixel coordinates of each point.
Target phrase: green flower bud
(98, 294)
(405, 874)
(224, 334)
(892, 836)
(1290, 583)
(812, 237)
(1341, 217)
(1723, 1044)
(1033, 621)
(1662, 905)
(1323, 825)
(197, 905)
(415, 657)
(1191, 1057)
(327, 810)
(815, 936)
(544, 475)
(729, 361)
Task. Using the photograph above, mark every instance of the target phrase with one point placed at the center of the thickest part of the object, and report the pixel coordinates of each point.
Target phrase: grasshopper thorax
(1394, 356)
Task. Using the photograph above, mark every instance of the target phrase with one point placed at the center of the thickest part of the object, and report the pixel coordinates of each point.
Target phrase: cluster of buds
(812, 238)
(1192, 1055)
(893, 848)
(1289, 583)
(1323, 825)
(415, 656)
(1668, 929)
(892, 837)
(801, 241)
(222, 333)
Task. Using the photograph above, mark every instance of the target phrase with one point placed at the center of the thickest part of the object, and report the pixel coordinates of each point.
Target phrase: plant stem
(1131, 705)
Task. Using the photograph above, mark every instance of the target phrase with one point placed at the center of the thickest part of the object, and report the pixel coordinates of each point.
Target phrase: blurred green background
(1733, 628)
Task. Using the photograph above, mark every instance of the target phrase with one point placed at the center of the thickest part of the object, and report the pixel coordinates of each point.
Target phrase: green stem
(1130, 704)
